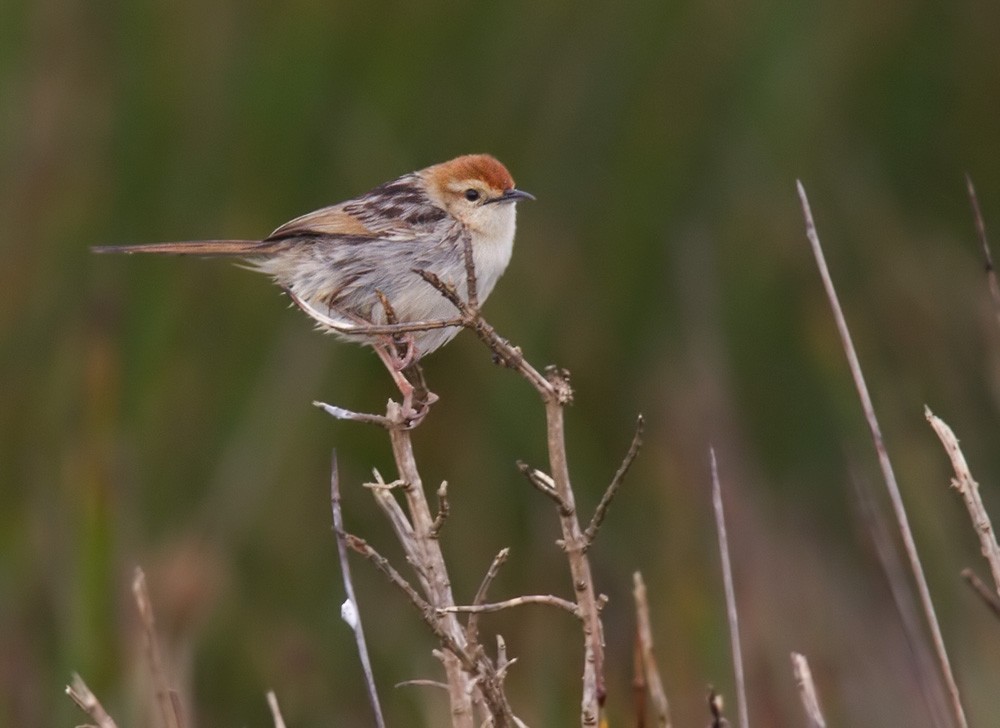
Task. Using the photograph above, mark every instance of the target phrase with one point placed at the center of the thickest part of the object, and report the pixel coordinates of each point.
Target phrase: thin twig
(991, 273)
(505, 353)
(443, 509)
(984, 592)
(650, 671)
(345, 570)
(552, 601)
(422, 683)
(964, 483)
(345, 414)
(472, 627)
(272, 703)
(78, 691)
(602, 508)
(807, 691)
(169, 706)
(887, 472)
(544, 484)
(731, 612)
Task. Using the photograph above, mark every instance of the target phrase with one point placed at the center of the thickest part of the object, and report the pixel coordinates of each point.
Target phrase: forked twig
(732, 614)
(888, 475)
(807, 691)
(352, 614)
(472, 627)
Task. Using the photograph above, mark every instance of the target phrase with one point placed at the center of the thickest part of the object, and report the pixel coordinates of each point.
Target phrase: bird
(353, 265)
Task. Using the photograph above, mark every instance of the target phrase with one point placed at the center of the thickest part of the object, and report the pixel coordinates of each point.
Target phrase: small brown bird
(335, 262)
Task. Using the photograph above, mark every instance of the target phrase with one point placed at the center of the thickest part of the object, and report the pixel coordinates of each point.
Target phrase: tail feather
(193, 247)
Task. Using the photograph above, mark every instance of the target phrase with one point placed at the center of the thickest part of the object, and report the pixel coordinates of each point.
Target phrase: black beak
(512, 195)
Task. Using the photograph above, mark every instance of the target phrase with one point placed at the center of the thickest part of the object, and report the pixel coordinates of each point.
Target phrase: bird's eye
(471, 195)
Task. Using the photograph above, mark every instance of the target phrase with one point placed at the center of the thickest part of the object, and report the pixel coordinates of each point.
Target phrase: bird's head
(478, 191)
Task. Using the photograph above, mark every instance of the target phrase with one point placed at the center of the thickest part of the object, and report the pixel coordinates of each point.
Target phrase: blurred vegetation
(157, 412)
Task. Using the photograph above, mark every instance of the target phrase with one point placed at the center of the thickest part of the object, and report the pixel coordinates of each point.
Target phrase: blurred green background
(156, 412)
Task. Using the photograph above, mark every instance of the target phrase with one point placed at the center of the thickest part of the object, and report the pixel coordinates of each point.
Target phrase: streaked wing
(396, 211)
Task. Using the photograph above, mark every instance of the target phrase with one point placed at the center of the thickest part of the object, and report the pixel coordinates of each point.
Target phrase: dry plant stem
(602, 508)
(807, 691)
(926, 673)
(88, 703)
(980, 587)
(991, 273)
(964, 483)
(887, 472)
(166, 698)
(355, 624)
(650, 672)
(727, 578)
(272, 703)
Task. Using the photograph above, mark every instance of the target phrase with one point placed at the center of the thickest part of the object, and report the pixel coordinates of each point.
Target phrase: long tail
(194, 247)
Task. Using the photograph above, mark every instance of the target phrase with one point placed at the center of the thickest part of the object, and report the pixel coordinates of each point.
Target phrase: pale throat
(493, 245)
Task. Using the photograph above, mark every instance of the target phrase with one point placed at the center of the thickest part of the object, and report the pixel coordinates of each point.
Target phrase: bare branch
(647, 661)
(731, 613)
(980, 587)
(602, 508)
(548, 599)
(345, 570)
(883, 457)
(88, 703)
(964, 483)
(991, 273)
(165, 695)
(807, 691)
